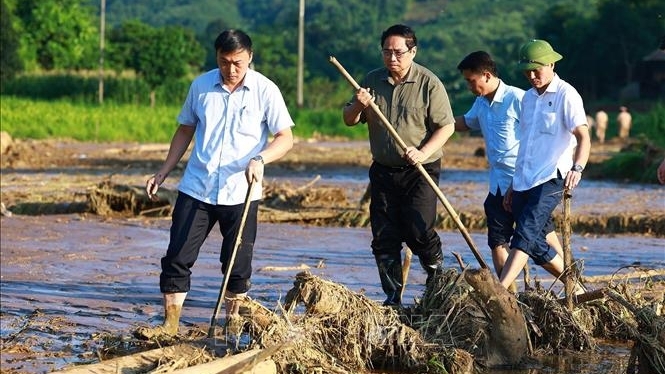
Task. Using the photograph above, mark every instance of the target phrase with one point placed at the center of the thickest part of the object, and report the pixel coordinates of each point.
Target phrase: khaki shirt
(415, 108)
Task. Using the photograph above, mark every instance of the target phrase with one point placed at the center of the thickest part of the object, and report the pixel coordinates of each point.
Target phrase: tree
(207, 40)
(602, 49)
(61, 34)
(10, 63)
(156, 55)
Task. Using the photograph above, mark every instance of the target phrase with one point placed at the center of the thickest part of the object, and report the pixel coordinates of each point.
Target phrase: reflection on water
(93, 276)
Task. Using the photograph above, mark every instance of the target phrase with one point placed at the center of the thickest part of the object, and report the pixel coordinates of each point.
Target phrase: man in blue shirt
(496, 114)
(230, 113)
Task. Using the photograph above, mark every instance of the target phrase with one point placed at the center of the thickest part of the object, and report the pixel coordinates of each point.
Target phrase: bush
(84, 89)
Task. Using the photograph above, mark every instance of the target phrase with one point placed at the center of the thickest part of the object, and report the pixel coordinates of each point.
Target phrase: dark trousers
(403, 210)
(192, 221)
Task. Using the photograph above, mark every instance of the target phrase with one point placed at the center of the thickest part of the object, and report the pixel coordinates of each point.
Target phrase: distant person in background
(554, 148)
(601, 125)
(496, 114)
(661, 172)
(625, 121)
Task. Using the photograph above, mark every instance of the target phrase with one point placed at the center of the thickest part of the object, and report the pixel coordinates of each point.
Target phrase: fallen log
(252, 361)
(645, 273)
(147, 361)
(586, 297)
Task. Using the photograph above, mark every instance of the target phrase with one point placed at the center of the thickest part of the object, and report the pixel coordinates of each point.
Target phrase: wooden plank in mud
(143, 362)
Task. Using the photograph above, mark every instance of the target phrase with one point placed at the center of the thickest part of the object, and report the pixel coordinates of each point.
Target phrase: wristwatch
(258, 158)
(578, 168)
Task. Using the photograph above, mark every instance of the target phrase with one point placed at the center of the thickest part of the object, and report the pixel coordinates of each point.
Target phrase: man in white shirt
(230, 113)
(554, 148)
(496, 114)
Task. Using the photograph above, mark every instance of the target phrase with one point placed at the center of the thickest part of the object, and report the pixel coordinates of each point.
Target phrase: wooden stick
(569, 280)
(229, 267)
(419, 166)
(625, 276)
(460, 261)
(586, 297)
(405, 270)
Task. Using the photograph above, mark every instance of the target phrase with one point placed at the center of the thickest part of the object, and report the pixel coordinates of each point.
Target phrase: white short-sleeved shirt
(547, 143)
(231, 128)
(498, 121)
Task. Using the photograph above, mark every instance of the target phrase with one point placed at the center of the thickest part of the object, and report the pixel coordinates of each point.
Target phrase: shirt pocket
(548, 123)
(412, 116)
(249, 123)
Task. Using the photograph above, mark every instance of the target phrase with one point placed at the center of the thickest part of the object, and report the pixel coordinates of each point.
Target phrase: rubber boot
(433, 265)
(390, 273)
(236, 322)
(169, 329)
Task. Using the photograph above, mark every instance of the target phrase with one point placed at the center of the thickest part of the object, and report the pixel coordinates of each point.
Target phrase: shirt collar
(249, 82)
(500, 92)
(551, 88)
(554, 84)
(410, 75)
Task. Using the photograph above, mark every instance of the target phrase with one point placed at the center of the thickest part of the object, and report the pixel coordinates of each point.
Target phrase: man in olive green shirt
(403, 204)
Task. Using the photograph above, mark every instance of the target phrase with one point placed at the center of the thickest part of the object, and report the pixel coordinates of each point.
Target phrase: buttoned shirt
(415, 108)
(498, 121)
(231, 128)
(547, 142)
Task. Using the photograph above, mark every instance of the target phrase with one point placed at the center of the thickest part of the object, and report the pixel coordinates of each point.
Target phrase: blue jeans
(532, 209)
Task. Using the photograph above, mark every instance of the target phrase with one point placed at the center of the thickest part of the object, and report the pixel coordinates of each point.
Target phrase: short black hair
(401, 30)
(478, 62)
(233, 40)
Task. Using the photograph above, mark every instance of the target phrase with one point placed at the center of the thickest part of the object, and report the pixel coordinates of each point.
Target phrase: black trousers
(192, 221)
(403, 210)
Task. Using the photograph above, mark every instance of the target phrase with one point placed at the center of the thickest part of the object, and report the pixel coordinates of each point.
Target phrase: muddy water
(66, 278)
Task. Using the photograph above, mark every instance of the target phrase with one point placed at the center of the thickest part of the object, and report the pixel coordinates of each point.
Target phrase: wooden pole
(301, 52)
(229, 267)
(569, 279)
(420, 168)
(406, 266)
(102, 27)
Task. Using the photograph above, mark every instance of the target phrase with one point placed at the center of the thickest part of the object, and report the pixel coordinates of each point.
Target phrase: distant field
(24, 118)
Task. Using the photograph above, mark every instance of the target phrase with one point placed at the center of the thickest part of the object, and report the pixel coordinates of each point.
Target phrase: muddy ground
(315, 183)
(69, 274)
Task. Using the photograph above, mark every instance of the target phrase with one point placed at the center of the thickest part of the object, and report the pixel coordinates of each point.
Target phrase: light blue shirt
(546, 131)
(498, 121)
(231, 128)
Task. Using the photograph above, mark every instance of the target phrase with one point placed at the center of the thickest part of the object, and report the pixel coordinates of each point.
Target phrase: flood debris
(464, 322)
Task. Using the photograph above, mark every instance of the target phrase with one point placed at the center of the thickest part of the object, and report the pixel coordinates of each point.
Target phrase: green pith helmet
(537, 53)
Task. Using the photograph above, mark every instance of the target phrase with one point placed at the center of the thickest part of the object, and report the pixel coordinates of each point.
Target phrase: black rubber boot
(433, 265)
(390, 273)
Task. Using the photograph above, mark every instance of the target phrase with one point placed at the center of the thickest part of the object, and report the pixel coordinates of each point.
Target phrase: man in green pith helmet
(554, 149)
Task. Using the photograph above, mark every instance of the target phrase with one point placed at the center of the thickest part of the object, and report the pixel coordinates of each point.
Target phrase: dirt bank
(318, 182)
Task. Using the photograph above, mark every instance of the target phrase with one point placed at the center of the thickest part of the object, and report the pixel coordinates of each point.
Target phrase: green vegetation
(51, 57)
(161, 40)
(63, 119)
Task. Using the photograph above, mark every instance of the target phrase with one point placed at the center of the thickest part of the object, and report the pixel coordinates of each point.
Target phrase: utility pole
(102, 22)
(301, 51)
